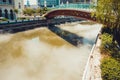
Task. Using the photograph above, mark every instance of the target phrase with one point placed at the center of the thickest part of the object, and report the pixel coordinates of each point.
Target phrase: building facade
(7, 9)
(48, 3)
(28, 5)
(81, 1)
(74, 1)
(19, 5)
(65, 1)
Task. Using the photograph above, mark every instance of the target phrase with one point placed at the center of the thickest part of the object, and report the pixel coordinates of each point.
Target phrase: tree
(16, 12)
(44, 10)
(39, 11)
(108, 13)
(29, 11)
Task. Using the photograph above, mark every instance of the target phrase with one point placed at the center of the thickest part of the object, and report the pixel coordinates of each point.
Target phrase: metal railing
(19, 21)
(75, 6)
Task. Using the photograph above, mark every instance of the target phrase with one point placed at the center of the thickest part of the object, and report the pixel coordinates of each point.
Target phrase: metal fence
(19, 21)
(75, 6)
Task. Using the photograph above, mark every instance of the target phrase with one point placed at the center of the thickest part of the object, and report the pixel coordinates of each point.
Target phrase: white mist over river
(40, 54)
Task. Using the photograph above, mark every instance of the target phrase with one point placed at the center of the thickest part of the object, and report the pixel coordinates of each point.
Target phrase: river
(40, 54)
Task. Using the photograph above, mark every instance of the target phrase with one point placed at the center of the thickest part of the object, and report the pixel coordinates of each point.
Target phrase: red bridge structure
(69, 12)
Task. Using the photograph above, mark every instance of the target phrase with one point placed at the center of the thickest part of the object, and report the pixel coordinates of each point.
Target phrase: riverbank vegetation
(108, 13)
(110, 63)
(3, 19)
(34, 12)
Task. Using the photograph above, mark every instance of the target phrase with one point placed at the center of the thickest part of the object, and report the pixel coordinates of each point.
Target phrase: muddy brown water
(40, 54)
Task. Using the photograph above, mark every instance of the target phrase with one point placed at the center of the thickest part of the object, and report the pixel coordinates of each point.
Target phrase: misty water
(40, 54)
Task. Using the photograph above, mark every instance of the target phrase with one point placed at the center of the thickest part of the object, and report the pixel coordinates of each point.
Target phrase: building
(48, 3)
(7, 9)
(27, 4)
(33, 6)
(65, 1)
(73, 1)
(19, 5)
(81, 1)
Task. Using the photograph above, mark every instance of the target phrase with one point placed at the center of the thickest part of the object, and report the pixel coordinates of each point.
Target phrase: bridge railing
(75, 6)
(19, 21)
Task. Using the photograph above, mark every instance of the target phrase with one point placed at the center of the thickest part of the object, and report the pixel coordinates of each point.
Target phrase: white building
(47, 3)
(19, 5)
(7, 9)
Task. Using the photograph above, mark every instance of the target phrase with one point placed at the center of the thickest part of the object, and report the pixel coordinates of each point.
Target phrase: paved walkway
(95, 62)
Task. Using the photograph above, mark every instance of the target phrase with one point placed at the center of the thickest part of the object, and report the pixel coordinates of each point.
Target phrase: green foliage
(108, 47)
(106, 44)
(29, 11)
(38, 11)
(22, 18)
(110, 69)
(16, 11)
(44, 10)
(108, 11)
(3, 19)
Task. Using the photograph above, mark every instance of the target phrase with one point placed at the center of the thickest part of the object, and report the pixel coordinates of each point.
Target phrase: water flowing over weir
(41, 54)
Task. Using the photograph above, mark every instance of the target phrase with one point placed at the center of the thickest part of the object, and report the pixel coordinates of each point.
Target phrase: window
(6, 13)
(10, 1)
(19, 6)
(0, 13)
(4, 0)
(11, 15)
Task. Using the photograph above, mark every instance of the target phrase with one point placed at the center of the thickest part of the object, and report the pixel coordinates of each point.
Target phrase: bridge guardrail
(19, 21)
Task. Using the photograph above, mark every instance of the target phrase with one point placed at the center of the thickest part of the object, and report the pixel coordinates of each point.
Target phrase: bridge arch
(69, 12)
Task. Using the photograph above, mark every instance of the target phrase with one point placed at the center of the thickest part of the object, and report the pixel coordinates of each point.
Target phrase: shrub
(108, 47)
(16, 11)
(110, 69)
(28, 11)
(3, 19)
(22, 18)
(106, 44)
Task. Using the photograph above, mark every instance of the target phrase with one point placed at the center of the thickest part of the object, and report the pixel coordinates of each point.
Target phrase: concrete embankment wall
(15, 27)
(92, 70)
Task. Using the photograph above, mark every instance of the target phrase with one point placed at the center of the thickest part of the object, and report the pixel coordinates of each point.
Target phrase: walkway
(93, 71)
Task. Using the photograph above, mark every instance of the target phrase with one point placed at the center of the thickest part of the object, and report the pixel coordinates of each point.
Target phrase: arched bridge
(69, 12)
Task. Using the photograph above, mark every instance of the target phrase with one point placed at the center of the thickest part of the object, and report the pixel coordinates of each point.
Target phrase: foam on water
(36, 55)
(84, 29)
